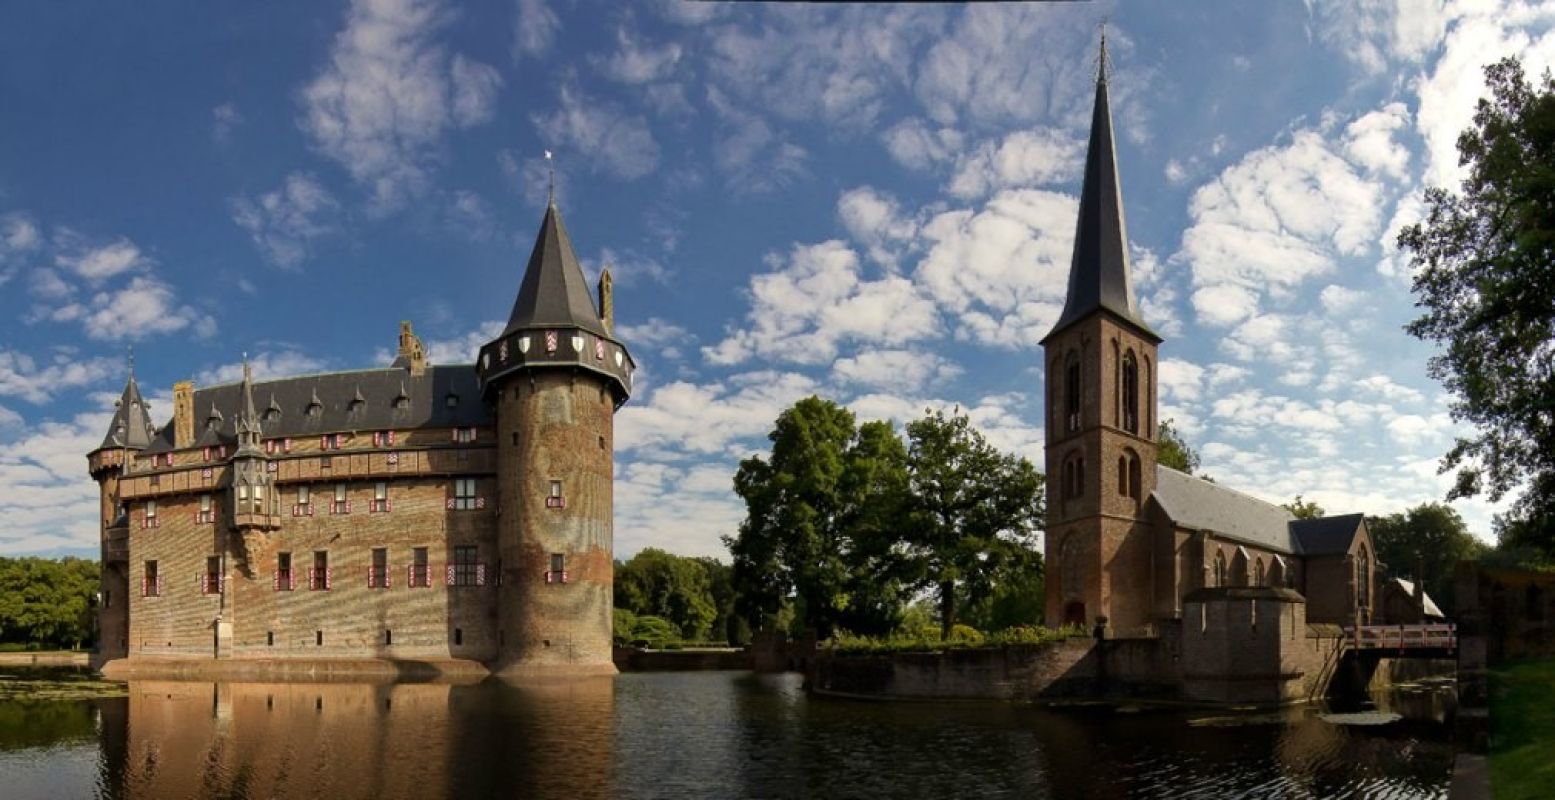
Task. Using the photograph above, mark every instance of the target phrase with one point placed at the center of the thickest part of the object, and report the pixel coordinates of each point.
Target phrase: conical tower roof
(131, 426)
(1099, 277)
(554, 292)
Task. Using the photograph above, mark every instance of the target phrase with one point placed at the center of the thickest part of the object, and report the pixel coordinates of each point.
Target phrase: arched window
(1133, 476)
(1220, 569)
(1238, 576)
(1117, 384)
(1123, 476)
(1072, 393)
(1363, 578)
(1130, 393)
(1277, 572)
(1258, 571)
(1149, 402)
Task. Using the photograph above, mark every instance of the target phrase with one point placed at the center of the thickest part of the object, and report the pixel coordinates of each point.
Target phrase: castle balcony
(262, 522)
(117, 545)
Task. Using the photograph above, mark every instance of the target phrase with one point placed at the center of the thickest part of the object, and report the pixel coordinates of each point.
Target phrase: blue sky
(874, 204)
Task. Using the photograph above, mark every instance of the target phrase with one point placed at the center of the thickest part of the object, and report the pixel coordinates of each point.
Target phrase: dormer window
(314, 409)
(451, 400)
(402, 402)
(271, 414)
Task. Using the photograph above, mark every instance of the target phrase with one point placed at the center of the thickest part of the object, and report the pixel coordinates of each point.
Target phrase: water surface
(698, 734)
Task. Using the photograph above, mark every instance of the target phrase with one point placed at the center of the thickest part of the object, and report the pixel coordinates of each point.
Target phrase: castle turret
(555, 377)
(1101, 416)
(252, 498)
(129, 432)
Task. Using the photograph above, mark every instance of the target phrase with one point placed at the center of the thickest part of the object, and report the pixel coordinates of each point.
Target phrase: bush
(621, 624)
(655, 632)
(927, 640)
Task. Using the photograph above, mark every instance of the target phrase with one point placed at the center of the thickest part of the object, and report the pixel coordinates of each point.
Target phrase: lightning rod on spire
(550, 192)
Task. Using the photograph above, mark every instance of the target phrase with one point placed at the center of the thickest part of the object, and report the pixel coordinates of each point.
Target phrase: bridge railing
(1402, 637)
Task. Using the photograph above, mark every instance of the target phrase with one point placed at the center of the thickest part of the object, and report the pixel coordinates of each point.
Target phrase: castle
(1144, 550)
(449, 514)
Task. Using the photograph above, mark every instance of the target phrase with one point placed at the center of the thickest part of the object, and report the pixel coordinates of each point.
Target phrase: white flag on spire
(547, 155)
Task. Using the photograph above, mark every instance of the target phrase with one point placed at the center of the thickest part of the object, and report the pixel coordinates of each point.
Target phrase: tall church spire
(1099, 274)
(554, 292)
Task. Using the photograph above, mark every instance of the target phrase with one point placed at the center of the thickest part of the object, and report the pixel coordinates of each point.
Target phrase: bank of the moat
(711, 734)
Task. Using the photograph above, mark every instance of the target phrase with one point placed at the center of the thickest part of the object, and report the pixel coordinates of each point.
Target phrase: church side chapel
(1128, 540)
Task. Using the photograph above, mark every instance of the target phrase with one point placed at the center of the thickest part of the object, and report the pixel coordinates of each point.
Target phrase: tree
(1172, 450)
(974, 512)
(675, 588)
(818, 515)
(1484, 262)
(46, 602)
(1303, 509)
(1425, 544)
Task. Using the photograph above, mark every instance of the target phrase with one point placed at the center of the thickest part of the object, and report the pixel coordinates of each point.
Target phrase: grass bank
(1522, 730)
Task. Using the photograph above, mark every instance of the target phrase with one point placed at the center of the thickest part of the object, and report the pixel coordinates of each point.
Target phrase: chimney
(411, 353)
(183, 414)
(607, 301)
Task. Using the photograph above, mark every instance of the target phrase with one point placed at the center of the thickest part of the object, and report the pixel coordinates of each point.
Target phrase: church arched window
(1072, 392)
(1129, 474)
(1130, 392)
(1123, 475)
(1219, 576)
(1363, 578)
(1258, 575)
(1148, 402)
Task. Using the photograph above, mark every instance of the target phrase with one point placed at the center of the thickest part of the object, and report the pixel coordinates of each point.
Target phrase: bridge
(1350, 668)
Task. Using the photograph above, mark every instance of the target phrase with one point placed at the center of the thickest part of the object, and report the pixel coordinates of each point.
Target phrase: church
(1127, 539)
(454, 516)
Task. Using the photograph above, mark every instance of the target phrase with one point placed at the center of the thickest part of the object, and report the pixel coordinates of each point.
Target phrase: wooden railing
(1402, 637)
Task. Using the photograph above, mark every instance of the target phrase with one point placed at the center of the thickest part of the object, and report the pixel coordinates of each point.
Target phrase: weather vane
(1101, 58)
(550, 192)
(131, 349)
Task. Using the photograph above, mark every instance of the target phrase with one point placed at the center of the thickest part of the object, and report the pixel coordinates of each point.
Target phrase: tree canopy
(846, 524)
(1425, 543)
(48, 603)
(1304, 509)
(1484, 261)
(1172, 450)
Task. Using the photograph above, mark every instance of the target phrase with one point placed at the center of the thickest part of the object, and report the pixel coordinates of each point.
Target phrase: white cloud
(918, 146)
(618, 142)
(388, 95)
(1376, 33)
(535, 28)
(457, 350)
(1025, 158)
(1003, 271)
(752, 156)
(146, 306)
(265, 366)
(627, 267)
(1370, 143)
(1175, 172)
(1338, 300)
(224, 118)
(285, 222)
(815, 299)
(22, 376)
(97, 263)
(635, 62)
(984, 71)
(1273, 220)
(50, 503)
(655, 334)
(683, 418)
(874, 219)
(899, 370)
(19, 236)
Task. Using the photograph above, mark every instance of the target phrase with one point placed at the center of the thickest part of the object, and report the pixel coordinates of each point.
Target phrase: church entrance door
(1074, 613)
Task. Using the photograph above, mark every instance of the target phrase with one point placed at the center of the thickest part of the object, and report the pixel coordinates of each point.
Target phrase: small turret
(412, 356)
(253, 499)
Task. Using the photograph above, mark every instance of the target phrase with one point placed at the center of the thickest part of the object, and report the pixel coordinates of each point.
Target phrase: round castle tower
(554, 377)
(129, 432)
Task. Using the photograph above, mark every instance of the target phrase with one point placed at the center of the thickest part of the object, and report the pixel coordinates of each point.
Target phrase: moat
(695, 734)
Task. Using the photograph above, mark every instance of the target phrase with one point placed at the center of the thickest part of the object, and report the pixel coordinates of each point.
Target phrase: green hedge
(927, 640)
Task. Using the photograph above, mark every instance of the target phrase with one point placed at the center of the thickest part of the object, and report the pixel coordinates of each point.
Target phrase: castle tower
(129, 432)
(252, 496)
(555, 377)
(1101, 413)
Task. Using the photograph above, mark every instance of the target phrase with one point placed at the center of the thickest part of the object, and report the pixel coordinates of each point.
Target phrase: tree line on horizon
(48, 603)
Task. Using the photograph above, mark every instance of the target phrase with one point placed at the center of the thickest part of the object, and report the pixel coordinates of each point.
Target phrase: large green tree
(1484, 261)
(1172, 450)
(676, 588)
(1427, 542)
(818, 516)
(1304, 509)
(974, 513)
(48, 603)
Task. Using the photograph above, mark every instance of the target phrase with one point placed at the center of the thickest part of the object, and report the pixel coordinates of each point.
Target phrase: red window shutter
(450, 575)
(472, 434)
(448, 504)
(286, 445)
(387, 506)
(369, 576)
(480, 502)
(291, 579)
(456, 434)
(275, 580)
(391, 438)
(376, 438)
(480, 574)
(387, 571)
(329, 577)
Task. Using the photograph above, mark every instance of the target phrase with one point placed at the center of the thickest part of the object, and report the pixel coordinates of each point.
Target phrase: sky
(874, 204)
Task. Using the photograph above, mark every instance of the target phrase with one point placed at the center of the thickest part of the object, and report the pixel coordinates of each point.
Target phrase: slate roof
(360, 400)
(1326, 536)
(554, 292)
(1198, 504)
(1099, 274)
(131, 424)
(1431, 608)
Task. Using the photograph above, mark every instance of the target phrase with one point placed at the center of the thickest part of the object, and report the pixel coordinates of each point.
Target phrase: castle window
(383, 439)
(151, 581)
(314, 409)
(341, 505)
(161, 459)
(271, 414)
(329, 441)
(378, 573)
(285, 576)
(555, 499)
(259, 499)
(464, 495)
(464, 435)
(242, 497)
(206, 513)
(211, 581)
(451, 400)
(1220, 569)
(304, 507)
(467, 569)
(321, 577)
(156, 480)
(1072, 393)
(419, 573)
(150, 520)
(558, 571)
(402, 402)
(380, 497)
(1130, 392)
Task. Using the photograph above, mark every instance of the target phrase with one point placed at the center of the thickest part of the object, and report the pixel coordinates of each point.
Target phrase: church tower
(555, 377)
(1101, 413)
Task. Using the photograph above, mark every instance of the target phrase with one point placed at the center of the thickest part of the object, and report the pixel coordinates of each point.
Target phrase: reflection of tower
(555, 377)
(1100, 377)
(129, 432)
